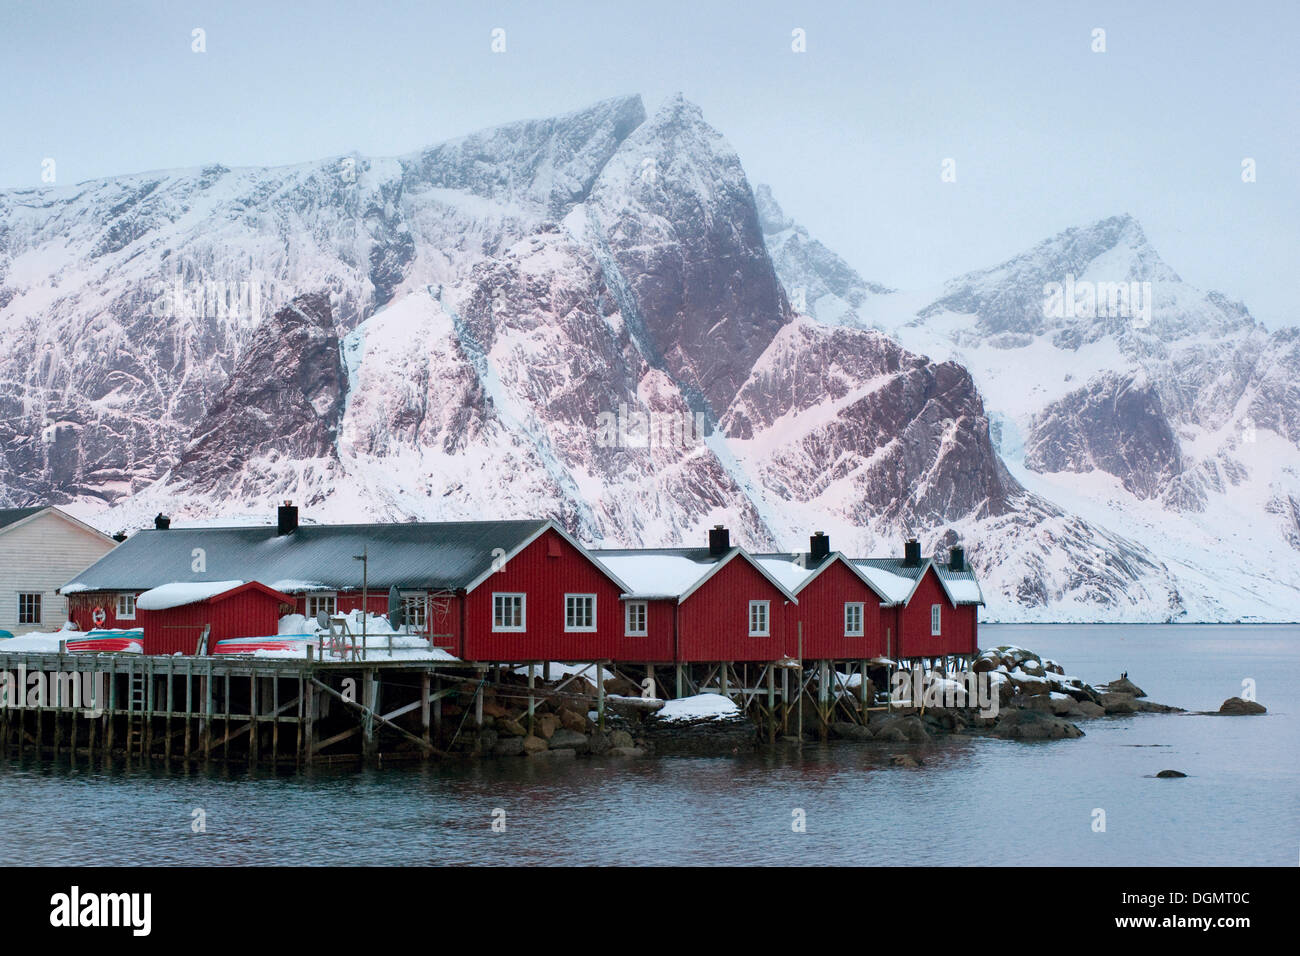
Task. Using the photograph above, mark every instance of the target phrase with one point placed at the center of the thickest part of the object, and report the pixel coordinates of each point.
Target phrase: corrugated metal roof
(443, 555)
(10, 516)
(961, 586)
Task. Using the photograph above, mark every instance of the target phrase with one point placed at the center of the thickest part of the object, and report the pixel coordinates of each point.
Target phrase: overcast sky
(851, 134)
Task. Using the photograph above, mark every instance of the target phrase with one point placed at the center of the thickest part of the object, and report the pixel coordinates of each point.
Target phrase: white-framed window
(637, 618)
(508, 612)
(126, 607)
(29, 607)
(579, 612)
(758, 622)
(853, 619)
(415, 610)
(936, 620)
(326, 601)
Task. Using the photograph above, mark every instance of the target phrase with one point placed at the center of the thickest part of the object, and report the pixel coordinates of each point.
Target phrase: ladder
(137, 701)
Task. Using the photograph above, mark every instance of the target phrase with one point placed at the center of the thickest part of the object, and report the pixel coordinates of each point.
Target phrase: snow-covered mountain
(1133, 400)
(588, 317)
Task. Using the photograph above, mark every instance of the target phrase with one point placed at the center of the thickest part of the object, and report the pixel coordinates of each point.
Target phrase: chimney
(120, 537)
(286, 519)
(161, 522)
(719, 540)
(957, 558)
(819, 546)
(911, 553)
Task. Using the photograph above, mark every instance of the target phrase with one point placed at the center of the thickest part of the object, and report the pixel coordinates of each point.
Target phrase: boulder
(509, 747)
(627, 751)
(905, 760)
(534, 745)
(1117, 703)
(506, 727)
(902, 728)
(565, 738)
(571, 720)
(848, 731)
(1034, 725)
(492, 709)
(487, 739)
(545, 725)
(622, 686)
(1171, 774)
(1122, 685)
(621, 738)
(1151, 707)
(598, 742)
(1235, 706)
(1088, 709)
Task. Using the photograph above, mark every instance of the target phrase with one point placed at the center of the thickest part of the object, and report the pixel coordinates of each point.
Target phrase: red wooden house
(934, 607)
(174, 616)
(687, 605)
(838, 616)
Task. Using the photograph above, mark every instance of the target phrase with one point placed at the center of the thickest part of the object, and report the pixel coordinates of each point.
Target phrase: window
(29, 608)
(126, 607)
(853, 619)
(758, 619)
(507, 612)
(636, 619)
(415, 610)
(935, 611)
(579, 612)
(324, 601)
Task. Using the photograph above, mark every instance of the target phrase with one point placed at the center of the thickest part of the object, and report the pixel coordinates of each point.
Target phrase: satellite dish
(323, 619)
(396, 611)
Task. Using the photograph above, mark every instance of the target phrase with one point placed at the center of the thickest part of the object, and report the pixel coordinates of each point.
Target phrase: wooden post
(275, 718)
(424, 706)
(532, 701)
(437, 708)
(189, 704)
(771, 703)
(205, 723)
(679, 681)
(171, 700)
(252, 719)
(310, 706)
(600, 696)
(862, 691)
(825, 698)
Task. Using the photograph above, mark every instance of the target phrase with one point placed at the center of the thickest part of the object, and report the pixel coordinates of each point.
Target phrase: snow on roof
(790, 570)
(179, 593)
(894, 587)
(655, 573)
(963, 590)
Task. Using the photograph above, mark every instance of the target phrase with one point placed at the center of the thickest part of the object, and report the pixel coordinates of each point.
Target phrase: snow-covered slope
(582, 317)
(1156, 410)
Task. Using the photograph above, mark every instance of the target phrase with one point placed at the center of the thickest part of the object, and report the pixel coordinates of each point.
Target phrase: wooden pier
(303, 712)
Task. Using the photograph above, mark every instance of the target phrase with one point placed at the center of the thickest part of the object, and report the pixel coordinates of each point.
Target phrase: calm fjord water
(975, 801)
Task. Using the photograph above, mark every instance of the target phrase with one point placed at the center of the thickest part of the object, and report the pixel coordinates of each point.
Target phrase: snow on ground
(179, 594)
(698, 707)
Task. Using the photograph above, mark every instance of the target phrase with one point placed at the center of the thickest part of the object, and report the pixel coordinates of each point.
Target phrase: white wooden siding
(41, 555)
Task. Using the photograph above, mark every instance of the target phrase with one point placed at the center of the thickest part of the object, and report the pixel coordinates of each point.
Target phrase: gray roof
(443, 555)
(10, 516)
(946, 574)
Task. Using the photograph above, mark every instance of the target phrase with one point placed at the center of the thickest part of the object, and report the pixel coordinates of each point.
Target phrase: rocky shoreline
(1035, 700)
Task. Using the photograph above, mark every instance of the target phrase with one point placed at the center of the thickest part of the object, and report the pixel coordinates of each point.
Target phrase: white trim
(936, 620)
(575, 629)
(767, 618)
(117, 610)
(862, 619)
(523, 612)
(644, 607)
(418, 596)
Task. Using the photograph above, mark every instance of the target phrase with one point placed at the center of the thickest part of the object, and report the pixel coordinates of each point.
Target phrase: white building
(41, 549)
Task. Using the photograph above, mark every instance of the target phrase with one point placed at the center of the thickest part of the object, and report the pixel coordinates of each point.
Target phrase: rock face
(284, 398)
(1115, 424)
